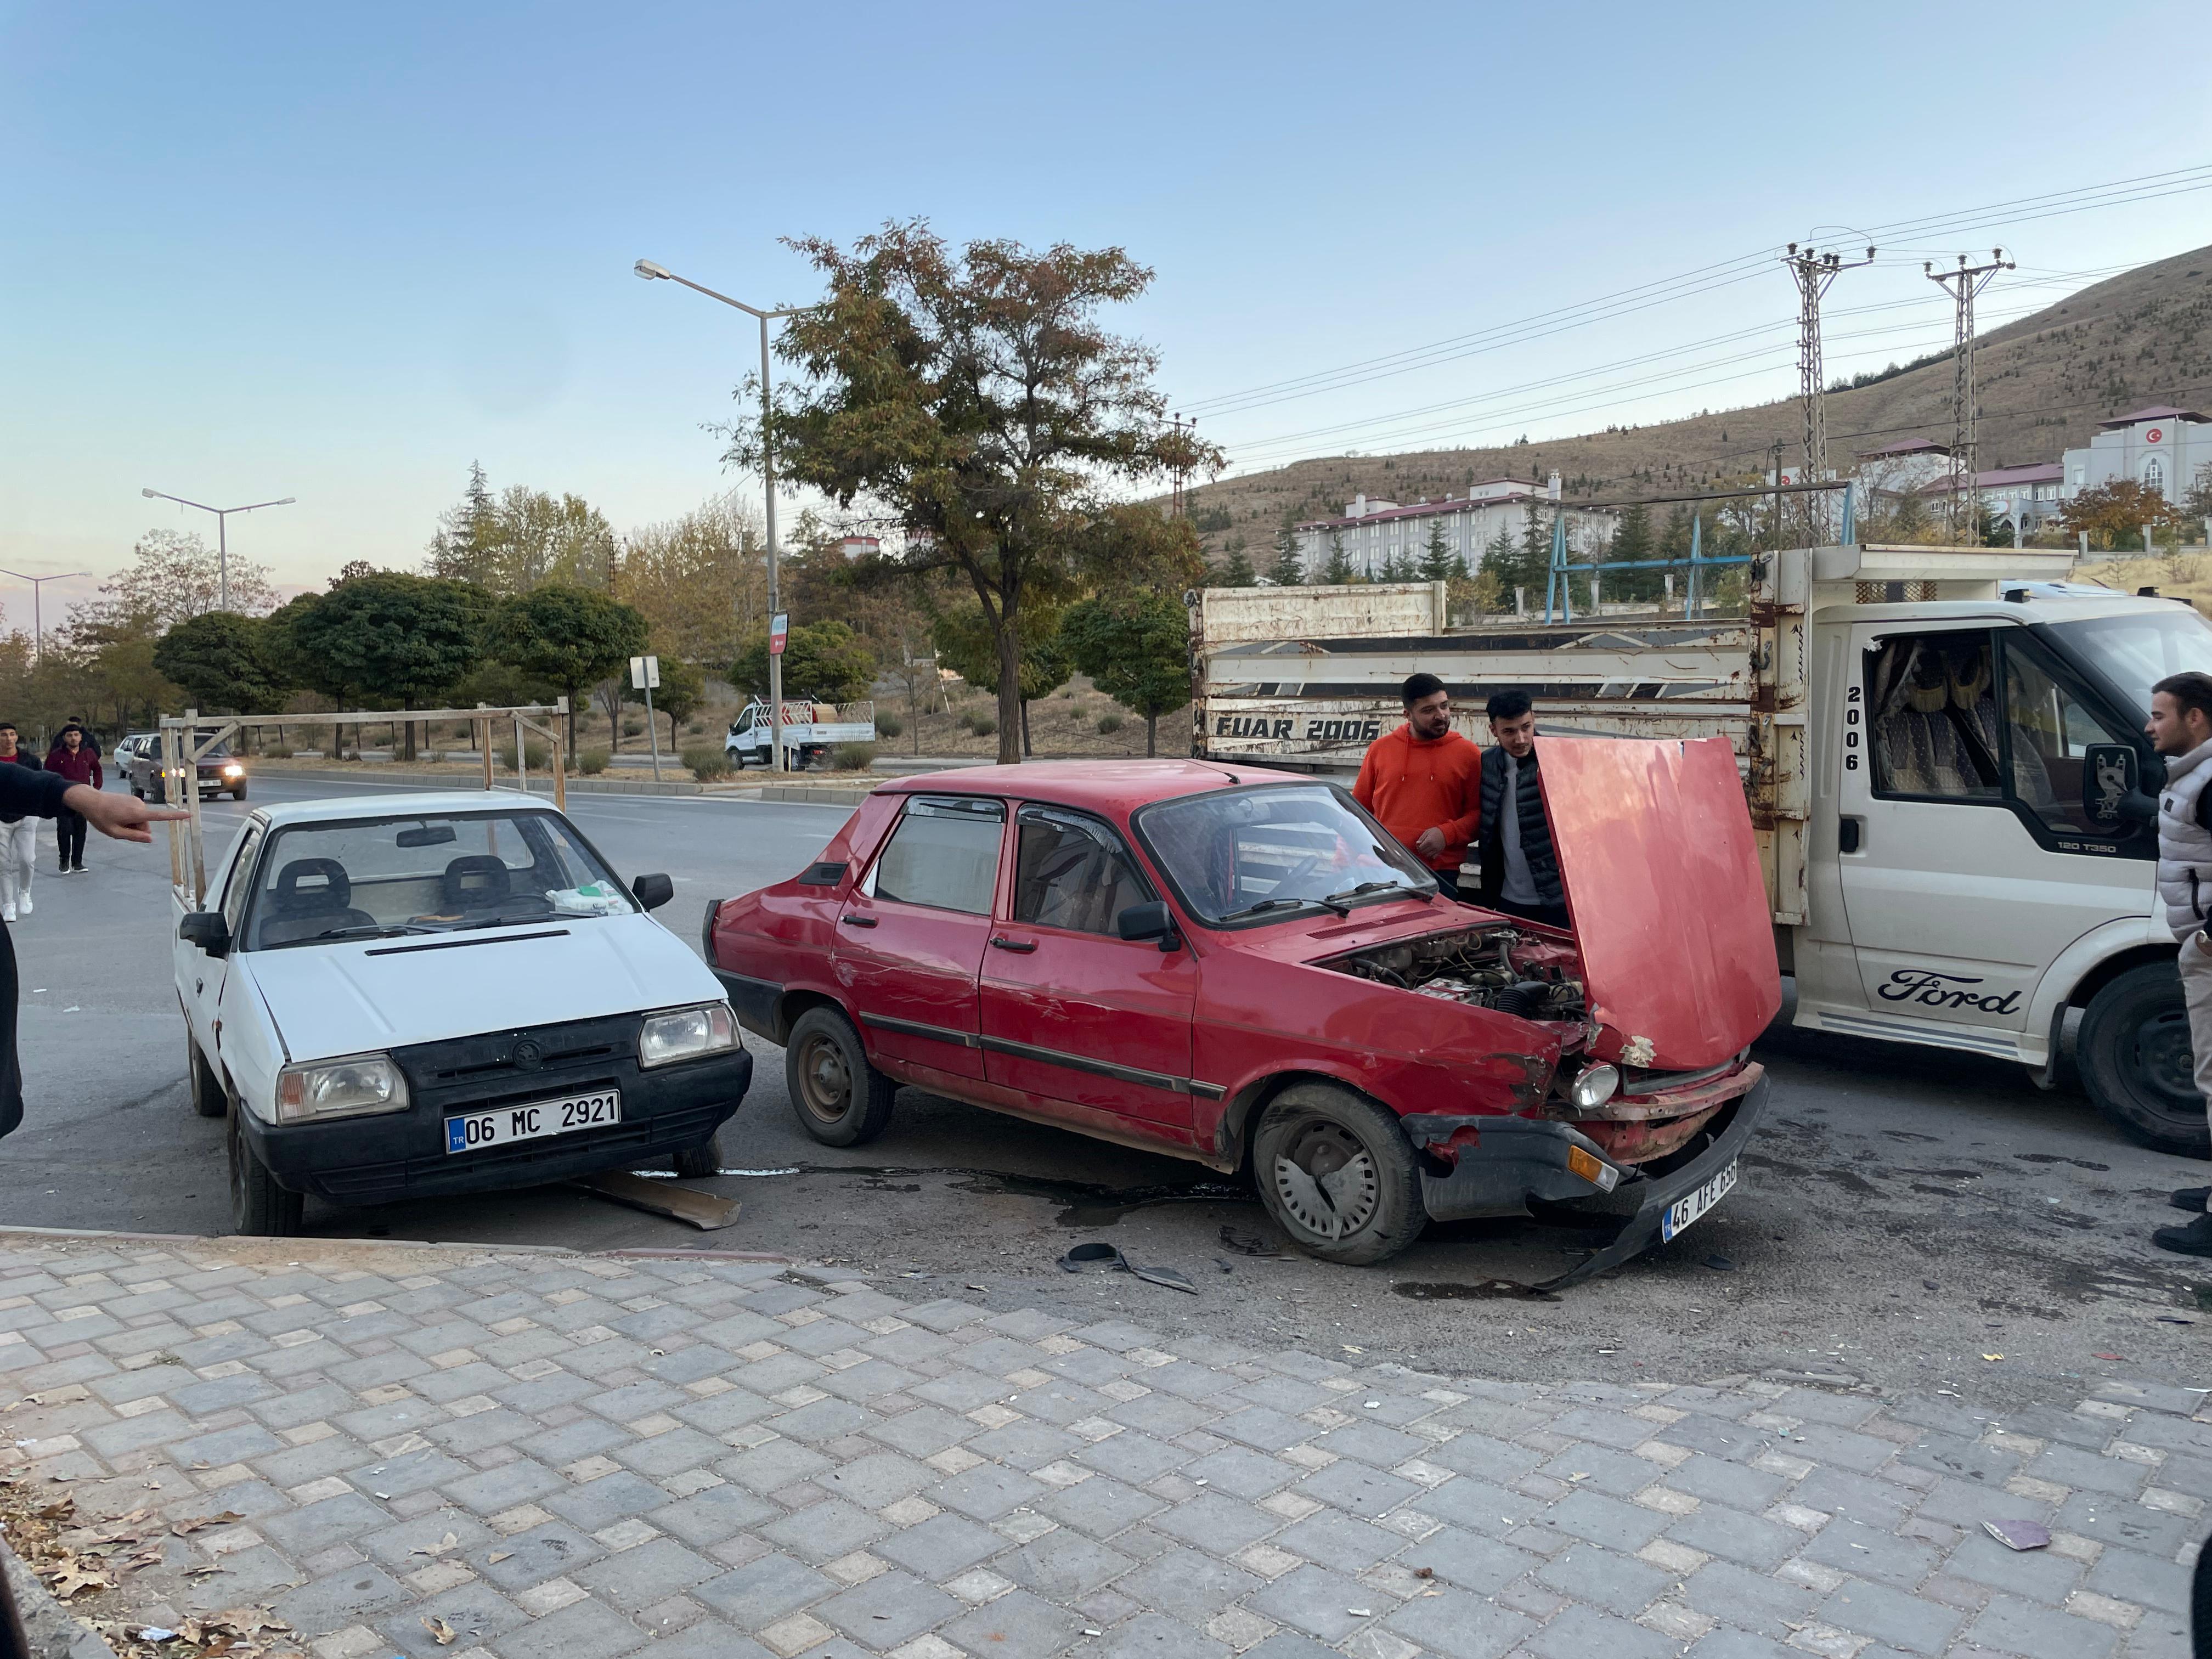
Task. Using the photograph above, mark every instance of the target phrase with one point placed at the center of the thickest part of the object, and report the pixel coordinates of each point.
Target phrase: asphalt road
(1911, 1218)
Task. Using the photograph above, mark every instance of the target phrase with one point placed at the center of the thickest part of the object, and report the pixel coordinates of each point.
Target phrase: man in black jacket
(1520, 870)
(47, 795)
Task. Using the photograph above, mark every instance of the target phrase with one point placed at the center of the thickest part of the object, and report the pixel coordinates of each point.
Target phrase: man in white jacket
(2180, 728)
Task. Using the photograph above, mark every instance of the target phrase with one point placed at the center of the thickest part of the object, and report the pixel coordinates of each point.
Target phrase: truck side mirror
(653, 892)
(1148, 920)
(208, 930)
(2111, 772)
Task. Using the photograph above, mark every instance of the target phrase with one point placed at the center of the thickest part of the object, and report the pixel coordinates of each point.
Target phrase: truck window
(1072, 871)
(944, 853)
(1934, 732)
(2049, 730)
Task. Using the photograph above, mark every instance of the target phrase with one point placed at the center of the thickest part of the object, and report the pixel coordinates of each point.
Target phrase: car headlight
(353, 1087)
(233, 771)
(1593, 1086)
(685, 1034)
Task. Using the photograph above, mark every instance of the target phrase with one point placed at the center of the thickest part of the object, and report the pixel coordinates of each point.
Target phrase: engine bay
(1495, 967)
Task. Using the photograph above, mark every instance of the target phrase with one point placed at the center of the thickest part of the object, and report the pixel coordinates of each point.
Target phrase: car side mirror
(208, 930)
(1148, 920)
(653, 892)
(2111, 772)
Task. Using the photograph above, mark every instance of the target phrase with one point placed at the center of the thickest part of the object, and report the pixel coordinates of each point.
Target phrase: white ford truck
(810, 731)
(1936, 743)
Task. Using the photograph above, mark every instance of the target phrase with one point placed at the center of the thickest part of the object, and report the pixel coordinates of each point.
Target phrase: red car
(1240, 967)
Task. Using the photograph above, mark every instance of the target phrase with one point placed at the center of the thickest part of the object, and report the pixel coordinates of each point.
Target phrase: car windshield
(1271, 850)
(221, 751)
(2131, 651)
(438, 873)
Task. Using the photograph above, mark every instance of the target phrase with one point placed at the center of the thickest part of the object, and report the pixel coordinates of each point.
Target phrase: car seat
(475, 881)
(311, 896)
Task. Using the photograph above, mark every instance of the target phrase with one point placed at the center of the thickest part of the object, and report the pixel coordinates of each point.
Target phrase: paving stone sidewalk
(687, 1458)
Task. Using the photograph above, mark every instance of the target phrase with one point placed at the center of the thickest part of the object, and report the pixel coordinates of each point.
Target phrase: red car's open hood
(1665, 891)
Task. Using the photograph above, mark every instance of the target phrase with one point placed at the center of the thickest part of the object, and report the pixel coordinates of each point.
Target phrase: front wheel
(208, 1099)
(259, 1208)
(160, 796)
(2138, 1064)
(841, 1099)
(1337, 1174)
(239, 793)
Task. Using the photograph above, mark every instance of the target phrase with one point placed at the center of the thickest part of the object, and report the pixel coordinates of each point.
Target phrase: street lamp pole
(38, 616)
(653, 273)
(222, 538)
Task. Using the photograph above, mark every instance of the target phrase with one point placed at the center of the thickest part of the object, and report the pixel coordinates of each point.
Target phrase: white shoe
(24, 904)
(7, 912)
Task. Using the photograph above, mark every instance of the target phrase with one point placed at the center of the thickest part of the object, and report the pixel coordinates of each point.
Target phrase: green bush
(983, 725)
(695, 728)
(708, 763)
(592, 762)
(1109, 721)
(534, 751)
(888, 726)
(281, 751)
(633, 726)
(853, 756)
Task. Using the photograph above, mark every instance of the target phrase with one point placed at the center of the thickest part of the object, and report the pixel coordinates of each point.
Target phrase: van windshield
(2129, 653)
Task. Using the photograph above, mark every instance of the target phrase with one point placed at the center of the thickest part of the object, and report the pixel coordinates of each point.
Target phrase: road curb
(51, 1631)
(309, 1246)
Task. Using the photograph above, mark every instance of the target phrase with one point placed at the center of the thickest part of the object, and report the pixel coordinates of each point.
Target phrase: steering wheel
(1305, 868)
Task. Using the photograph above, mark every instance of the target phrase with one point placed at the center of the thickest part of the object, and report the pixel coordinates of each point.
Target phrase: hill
(2044, 381)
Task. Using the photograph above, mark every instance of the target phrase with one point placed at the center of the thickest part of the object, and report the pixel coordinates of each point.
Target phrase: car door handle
(857, 921)
(1022, 946)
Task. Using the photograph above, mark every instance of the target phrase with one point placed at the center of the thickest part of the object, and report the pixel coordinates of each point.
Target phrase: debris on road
(1084, 1255)
(2018, 1534)
(708, 1212)
(1245, 1244)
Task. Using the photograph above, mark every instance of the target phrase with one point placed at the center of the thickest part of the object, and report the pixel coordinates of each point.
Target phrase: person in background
(19, 834)
(73, 758)
(1520, 871)
(2180, 728)
(1421, 781)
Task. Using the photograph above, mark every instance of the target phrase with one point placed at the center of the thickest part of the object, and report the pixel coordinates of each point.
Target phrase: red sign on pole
(779, 625)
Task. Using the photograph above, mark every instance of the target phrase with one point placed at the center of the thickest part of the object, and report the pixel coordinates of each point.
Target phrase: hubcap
(823, 1083)
(1326, 1180)
(2165, 1066)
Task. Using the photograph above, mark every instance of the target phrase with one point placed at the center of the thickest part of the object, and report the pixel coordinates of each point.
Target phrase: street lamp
(222, 540)
(38, 622)
(654, 273)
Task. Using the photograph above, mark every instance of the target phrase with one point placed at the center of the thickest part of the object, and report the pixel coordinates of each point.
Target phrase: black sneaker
(2195, 1239)
(2192, 1197)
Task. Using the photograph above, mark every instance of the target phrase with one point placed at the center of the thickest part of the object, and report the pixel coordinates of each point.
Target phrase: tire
(160, 796)
(2136, 1063)
(239, 793)
(259, 1208)
(841, 1099)
(695, 1163)
(1313, 1131)
(208, 1098)
(137, 791)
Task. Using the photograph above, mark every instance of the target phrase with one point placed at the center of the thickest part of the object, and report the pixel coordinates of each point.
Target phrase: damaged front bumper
(1521, 1161)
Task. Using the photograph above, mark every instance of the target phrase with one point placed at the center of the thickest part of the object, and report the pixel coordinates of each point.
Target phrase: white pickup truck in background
(1936, 744)
(810, 731)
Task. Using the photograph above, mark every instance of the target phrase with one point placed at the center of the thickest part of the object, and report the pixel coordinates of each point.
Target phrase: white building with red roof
(2162, 448)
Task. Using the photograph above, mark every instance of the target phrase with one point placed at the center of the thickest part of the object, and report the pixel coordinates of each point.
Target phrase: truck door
(1968, 864)
(910, 938)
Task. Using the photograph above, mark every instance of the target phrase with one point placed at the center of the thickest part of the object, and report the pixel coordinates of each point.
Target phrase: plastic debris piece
(1246, 1244)
(1993, 1356)
(2019, 1535)
(1719, 1263)
(440, 1630)
(1098, 1252)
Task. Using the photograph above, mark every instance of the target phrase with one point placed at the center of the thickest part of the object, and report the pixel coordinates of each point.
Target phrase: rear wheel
(259, 1208)
(1336, 1173)
(2138, 1064)
(694, 1163)
(208, 1099)
(841, 1099)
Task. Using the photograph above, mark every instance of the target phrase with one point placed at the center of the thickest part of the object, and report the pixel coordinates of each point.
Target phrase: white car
(405, 996)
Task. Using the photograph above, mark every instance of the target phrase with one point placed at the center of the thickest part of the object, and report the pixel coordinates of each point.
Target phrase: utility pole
(1962, 285)
(1813, 271)
(1181, 426)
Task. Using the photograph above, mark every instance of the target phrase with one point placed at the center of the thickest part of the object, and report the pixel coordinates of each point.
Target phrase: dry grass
(1064, 724)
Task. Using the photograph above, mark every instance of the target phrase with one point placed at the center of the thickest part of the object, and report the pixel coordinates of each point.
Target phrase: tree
(524, 539)
(572, 636)
(2117, 511)
(824, 659)
(219, 659)
(1289, 566)
(1337, 571)
(1437, 564)
(174, 577)
(388, 638)
(975, 399)
(1237, 571)
(1136, 648)
(964, 645)
(702, 580)
(683, 688)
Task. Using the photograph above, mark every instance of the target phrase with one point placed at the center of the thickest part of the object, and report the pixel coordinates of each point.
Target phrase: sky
(340, 252)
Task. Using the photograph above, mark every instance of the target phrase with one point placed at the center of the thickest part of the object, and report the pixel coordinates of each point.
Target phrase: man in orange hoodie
(1424, 782)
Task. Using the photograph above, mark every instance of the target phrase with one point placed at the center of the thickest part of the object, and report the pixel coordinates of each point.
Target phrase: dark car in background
(150, 778)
